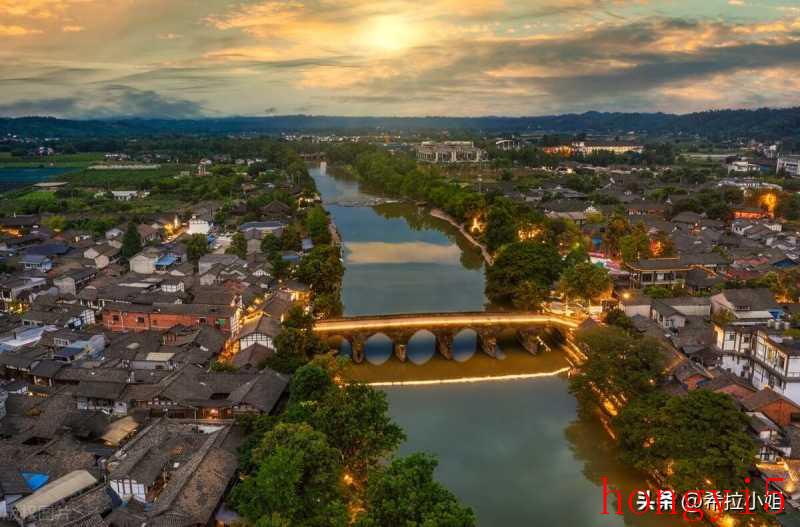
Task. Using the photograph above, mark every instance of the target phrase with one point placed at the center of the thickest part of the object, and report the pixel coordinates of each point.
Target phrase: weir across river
(401, 328)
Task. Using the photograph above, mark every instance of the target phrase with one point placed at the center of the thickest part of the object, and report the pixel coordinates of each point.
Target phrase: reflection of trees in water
(418, 219)
(591, 444)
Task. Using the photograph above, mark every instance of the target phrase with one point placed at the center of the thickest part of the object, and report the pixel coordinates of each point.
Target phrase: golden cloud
(17, 31)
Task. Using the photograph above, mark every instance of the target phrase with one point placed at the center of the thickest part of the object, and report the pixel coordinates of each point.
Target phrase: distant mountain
(763, 123)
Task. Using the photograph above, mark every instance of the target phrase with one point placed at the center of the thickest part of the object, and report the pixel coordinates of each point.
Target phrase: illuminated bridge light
(440, 320)
(462, 380)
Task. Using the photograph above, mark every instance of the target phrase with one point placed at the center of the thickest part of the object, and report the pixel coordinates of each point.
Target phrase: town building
(790, 165)
(762, 355)
(450, 152)
(591, 147)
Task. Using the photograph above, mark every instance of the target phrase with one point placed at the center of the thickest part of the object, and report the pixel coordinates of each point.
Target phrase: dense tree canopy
(297, 481)
(405, 494)
(535, 262)
(691, 440)
(584, 281)
(618, 366)
(131, 241)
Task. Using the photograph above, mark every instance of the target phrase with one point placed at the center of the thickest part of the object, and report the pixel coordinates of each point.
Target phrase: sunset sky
(189, 58)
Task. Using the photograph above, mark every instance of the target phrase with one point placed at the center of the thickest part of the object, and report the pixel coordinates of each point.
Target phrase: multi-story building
(762, 355)
(591, 147)
(140, 317)
(450, 152)
(789, 164)
(747, 307)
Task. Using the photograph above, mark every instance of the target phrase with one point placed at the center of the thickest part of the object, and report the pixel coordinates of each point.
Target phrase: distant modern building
(591, 147)
(790, 165)
(450, 152)
(128, 195)
(508, 144)
(199, 225)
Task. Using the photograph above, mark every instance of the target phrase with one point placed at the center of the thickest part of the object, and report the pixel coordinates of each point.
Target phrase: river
(11, 178)
(517, 452)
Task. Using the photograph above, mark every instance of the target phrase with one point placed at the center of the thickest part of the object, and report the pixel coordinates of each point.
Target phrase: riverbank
(442, 215)
(516, 363)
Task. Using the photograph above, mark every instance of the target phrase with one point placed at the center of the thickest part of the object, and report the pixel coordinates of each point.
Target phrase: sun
(388, 33)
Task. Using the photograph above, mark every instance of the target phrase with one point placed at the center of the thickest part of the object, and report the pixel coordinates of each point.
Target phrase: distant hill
(762, 123)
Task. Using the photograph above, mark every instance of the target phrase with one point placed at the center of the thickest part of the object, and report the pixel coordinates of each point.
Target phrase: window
(140, 320)
(115, 318)
(201, 321)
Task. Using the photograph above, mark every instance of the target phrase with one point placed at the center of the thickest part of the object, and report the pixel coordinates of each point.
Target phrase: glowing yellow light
(770, 201)
(656, 247)
(477, 226)
(348, 479)
(528, 233)
(626, 295)
(389, 33)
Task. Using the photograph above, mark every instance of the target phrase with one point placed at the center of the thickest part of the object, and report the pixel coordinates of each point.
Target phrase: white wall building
(761, 355)
(790, 165)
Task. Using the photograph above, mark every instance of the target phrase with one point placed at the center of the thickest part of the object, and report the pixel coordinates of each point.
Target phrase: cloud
(17, 31)
(401, 57)
(109, 101)
(26, 107)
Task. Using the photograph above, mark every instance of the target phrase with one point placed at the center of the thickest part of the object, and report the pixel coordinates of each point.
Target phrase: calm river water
(19, 177)
(517, 452)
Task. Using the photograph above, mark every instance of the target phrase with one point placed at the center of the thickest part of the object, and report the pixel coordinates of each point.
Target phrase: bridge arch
(421, 347)
(465, 344)
(378, 348)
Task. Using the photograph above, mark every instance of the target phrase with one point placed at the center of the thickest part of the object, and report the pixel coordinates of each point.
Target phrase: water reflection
(421, 347)
(378, 349)
(465, 344)
(399, 259)
(361, 253)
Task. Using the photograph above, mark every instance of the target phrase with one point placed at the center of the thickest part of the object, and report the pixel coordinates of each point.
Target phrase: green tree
(296, 344)
(585, 281)
(702, 436)
(619, 367)
(501, 226)
(534, 261)
(327, 304)
(270, 245)
(635, 245)
(310, 383)
(55, 222)
(529, 296)
(297, 481)
(196, 247)
(406, 494)
(291, 238)
(616, 228)
(317, 225)
(617, 317)
(321, 269)
(356, 420)
(218, 366)
(238, 246)
(131, 241)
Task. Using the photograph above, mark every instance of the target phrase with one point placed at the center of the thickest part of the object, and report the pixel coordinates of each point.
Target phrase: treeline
(653, 154)
(762, 123)
(695, 441)
(327, 461)
(400, 175)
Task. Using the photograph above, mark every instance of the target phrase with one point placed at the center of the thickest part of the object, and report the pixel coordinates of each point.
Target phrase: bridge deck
(433, 320)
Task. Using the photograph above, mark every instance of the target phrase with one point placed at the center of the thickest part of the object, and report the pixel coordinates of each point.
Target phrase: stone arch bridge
(444, 326)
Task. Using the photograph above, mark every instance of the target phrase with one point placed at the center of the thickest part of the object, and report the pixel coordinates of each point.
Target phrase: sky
(215, 58)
